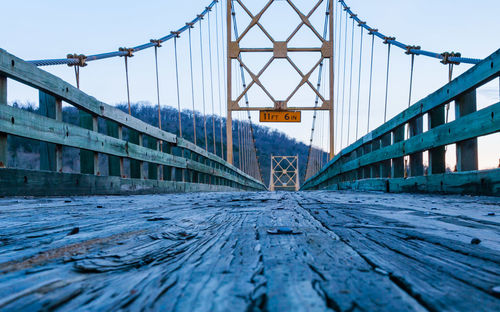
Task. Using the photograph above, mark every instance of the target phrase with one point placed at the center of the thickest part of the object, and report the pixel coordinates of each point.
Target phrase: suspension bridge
(391, 216)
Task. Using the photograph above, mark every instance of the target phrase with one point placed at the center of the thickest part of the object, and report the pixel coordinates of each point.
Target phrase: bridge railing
(174, 164)
(377, 161)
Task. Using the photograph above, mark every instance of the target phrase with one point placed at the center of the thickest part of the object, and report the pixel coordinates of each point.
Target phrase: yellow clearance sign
(279, 116)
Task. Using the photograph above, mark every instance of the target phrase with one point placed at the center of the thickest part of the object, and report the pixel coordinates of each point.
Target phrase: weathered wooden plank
(484, 182)
(20, 182)
(17, 69)
(212, 252)
(87, 157)
(45, 129)
(467, 158)
(4, 150)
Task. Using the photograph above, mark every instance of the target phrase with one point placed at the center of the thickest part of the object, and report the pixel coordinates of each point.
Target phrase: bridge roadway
(212, 251)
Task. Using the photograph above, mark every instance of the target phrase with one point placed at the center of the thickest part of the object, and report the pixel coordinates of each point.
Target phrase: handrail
(386, 142)
(15, 121)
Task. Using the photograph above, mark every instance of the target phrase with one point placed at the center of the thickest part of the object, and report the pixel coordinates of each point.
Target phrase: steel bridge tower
(280, 50)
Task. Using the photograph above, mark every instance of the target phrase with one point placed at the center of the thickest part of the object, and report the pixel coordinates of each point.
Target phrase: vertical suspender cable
(450, 76)
(370, 85)
(343, 85)
(203, 87)
(128, 87)
(387, 81)
(411, 78)
(158, 87)
(211, 80)
(77, 76)
(177, 82)
(359, 80)
(192, 82)
(339, 10)
(218, 79)
(350, 85)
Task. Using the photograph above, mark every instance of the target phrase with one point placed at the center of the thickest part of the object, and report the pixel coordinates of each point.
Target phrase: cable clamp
(352, 15)
(130, 52)
(361, 23)
(208, 9)
(387, 39)
(410, 47)
(347, 8)
(176, 33)
(372, 31)
(200, 16)
(447, 55)
(156, 42)
(190, 24)
(80, 57)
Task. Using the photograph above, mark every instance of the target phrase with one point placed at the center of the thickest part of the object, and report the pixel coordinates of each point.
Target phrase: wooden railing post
(3, 136)
(398, 167)
(89, 160)
(152, 168)
(135, 165)
(385, 166)
(48, 151)
(375, 168)
(436, 155)
(466, 150)
(416, 160)
(367, 169)
(113, 161)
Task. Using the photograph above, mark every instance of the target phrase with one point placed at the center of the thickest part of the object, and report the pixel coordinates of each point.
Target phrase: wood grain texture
(212, 252)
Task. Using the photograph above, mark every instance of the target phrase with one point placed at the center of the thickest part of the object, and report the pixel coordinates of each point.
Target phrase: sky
(52, 29)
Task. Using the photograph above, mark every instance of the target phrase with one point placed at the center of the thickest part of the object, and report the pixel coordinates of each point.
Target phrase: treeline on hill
(24, 153)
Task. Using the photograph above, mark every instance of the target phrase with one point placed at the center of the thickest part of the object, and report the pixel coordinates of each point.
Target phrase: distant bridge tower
(280, 51)
(284, 173)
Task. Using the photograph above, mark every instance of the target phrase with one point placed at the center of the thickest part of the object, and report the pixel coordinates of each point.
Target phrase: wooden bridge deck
(212, 251)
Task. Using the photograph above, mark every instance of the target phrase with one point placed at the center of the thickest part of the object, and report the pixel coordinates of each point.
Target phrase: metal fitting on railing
(361, 23)
(410, 48)
(447, 58)
(176, 33)
(387, 39)
(156, 42)
(79, 57)
(130, 52)
(372, 31)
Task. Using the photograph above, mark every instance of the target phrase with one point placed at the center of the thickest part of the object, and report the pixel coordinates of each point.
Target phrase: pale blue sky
(53, 28)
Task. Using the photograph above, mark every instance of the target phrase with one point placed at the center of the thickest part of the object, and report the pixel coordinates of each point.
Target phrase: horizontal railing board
(480, 182)
(26, 124)
(479, 123)
(26, 73)
(476, 76)
(41, 128)
(22, 182)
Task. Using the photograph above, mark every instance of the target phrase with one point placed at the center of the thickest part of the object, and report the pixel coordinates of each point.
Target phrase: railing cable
(158, 86)
(343, 85)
